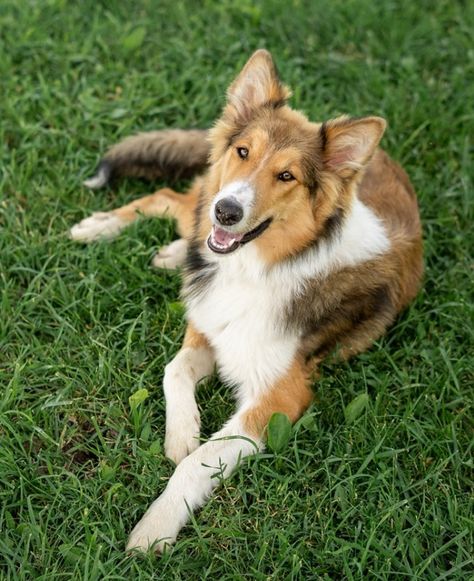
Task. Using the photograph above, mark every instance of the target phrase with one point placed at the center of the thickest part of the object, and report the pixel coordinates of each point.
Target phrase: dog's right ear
(257, 85)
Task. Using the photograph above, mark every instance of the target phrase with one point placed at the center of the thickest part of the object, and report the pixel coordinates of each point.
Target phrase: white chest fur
(242, 310)
(241, 313)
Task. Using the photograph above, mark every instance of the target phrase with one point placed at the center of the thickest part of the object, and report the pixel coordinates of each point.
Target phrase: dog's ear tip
(380, 121)
(262, 53)
(257, 84)
(261, 58)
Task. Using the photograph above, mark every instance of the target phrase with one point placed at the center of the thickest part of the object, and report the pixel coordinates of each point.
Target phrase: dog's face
(277, 180)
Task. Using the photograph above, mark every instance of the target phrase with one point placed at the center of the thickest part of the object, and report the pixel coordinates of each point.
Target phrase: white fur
(101, 225)
(171, 256)
(191, 484)
(241, 191)
(182, 415)
(98, 181)
(241, 312)
(362, 238)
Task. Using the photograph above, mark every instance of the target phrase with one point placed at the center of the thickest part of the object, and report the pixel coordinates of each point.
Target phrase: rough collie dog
(300, 240)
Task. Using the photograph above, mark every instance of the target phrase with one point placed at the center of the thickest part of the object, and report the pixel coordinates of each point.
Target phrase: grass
(388, 496)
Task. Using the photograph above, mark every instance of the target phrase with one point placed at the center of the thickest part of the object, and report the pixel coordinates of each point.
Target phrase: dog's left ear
(348, 144)
(257, 84)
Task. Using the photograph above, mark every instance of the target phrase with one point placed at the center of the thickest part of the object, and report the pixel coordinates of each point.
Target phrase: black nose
(228, 212)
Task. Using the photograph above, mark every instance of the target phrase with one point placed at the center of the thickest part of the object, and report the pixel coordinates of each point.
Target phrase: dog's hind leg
(163, 203)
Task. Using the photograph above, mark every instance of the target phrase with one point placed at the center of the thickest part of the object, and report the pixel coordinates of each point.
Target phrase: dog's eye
(242, 152)
(286, 176)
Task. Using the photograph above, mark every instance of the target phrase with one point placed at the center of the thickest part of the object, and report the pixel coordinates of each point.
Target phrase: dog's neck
(361, 237)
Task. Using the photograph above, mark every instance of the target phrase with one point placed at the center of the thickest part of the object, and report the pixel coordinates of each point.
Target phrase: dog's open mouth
(224, 242)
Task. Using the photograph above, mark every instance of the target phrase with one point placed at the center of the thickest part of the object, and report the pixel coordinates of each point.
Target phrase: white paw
(99, 225)
(171, 256)
(182, 433)
(158, 527)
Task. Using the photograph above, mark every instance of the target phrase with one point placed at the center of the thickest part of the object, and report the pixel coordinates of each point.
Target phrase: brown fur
(165, 203)
(194, 339)
(300, 183)
(331, 162)
(174, 153)
(290, 395)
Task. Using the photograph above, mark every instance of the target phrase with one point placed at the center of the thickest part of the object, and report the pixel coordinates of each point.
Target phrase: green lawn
(388, 496)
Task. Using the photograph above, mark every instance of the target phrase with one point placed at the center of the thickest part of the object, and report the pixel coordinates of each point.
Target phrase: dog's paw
(101, 225)
(158, 528)
(182, 434)
(171, 256)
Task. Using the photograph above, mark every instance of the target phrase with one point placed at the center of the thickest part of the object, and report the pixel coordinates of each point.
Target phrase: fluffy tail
(172, 153)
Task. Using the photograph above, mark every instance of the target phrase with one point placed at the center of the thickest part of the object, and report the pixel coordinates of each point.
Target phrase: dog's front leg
(191, 484)
(201, 471)
(194, 361)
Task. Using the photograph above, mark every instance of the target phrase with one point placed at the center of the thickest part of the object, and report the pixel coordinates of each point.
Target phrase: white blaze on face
(243, 193)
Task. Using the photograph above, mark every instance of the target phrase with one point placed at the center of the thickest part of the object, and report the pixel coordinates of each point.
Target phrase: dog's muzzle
(224, 242)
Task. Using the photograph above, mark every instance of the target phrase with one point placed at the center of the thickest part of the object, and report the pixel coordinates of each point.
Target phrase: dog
(300, 240)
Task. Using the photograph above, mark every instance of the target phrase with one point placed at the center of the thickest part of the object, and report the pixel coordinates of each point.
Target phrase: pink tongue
(225, 238)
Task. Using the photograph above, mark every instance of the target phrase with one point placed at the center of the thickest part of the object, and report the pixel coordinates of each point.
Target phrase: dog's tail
(171, 153)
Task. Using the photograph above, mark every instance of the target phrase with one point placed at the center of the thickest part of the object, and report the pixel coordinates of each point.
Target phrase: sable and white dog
(300, 239)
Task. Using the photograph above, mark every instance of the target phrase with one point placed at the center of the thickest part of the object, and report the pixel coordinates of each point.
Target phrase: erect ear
(257, 84)
(348, 144)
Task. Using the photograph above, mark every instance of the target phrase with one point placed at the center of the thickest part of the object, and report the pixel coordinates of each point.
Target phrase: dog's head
(276, 179)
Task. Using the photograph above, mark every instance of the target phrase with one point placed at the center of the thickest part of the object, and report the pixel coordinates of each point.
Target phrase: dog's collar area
(222, 242)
